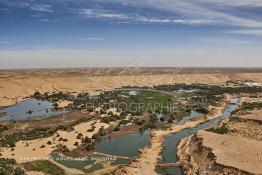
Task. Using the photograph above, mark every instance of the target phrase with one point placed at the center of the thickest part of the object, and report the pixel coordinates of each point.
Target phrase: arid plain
(211, 147)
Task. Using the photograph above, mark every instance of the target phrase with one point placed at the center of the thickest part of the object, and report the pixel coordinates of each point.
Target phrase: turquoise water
(40, 109)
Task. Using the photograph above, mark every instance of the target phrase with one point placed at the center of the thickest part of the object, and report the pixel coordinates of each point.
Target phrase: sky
(127, 33)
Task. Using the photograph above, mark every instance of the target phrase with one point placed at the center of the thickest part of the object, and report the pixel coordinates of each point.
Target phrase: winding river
(171, 142)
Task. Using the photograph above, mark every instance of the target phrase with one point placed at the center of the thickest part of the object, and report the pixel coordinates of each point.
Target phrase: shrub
(60, 139)
(202, 110)
(170, 120)
(90, 147)
(86, 140)
(90, 130)
(110, 113)
(219, 130)
(79, 136)
(116, 128)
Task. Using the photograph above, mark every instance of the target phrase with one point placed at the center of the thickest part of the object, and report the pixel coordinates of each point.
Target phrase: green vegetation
(9, 167)
(209, 90)
(10, 140)
(86, 140)
(149, 98)
(152, 122)
(44, 166)
(248, 107)
(2, 114)
(111, 118)
(3, 128)
(79, 136)
(117, 128)
(202, 110)
(219, 130)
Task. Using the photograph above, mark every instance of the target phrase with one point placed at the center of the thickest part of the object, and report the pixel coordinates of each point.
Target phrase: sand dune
(16, 85)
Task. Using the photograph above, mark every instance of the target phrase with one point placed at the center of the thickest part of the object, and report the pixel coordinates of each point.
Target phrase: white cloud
(41, 8)
(50, 20)
(236, 3)
(5, 42)
(94, 39)
(98, 13)
(202, 11)
(102, 14)
(257, 32)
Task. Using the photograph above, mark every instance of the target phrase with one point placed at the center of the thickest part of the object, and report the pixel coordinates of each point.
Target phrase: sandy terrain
(228, 151)
(81, 128)
(254, 115)
(16, 84)
(35, 173)
(237, 151)
(149, 157)
(63, 103)
(23, 152)
(247, 99)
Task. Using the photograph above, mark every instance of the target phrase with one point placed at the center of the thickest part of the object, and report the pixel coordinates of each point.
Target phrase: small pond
(114, 151)
(126, 145)
(29, 109)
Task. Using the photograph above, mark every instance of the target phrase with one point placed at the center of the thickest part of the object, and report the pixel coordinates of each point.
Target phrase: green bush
(219, 130)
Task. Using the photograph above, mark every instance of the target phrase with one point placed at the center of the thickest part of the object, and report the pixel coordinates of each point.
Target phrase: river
(171, 142)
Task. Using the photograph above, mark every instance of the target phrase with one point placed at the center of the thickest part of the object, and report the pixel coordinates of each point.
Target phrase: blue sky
(79, 33)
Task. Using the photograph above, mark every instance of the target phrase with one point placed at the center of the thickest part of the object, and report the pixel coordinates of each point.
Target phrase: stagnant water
(171, 142)
(128, 146)
(124, 146)
(20, 111)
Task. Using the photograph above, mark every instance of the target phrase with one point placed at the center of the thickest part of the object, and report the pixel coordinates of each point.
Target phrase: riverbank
(234, 146)
(149, 156)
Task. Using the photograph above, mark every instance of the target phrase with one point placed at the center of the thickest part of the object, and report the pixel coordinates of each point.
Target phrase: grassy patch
(44, 166)
(248, 107)
(9, 166)
(219, 130)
